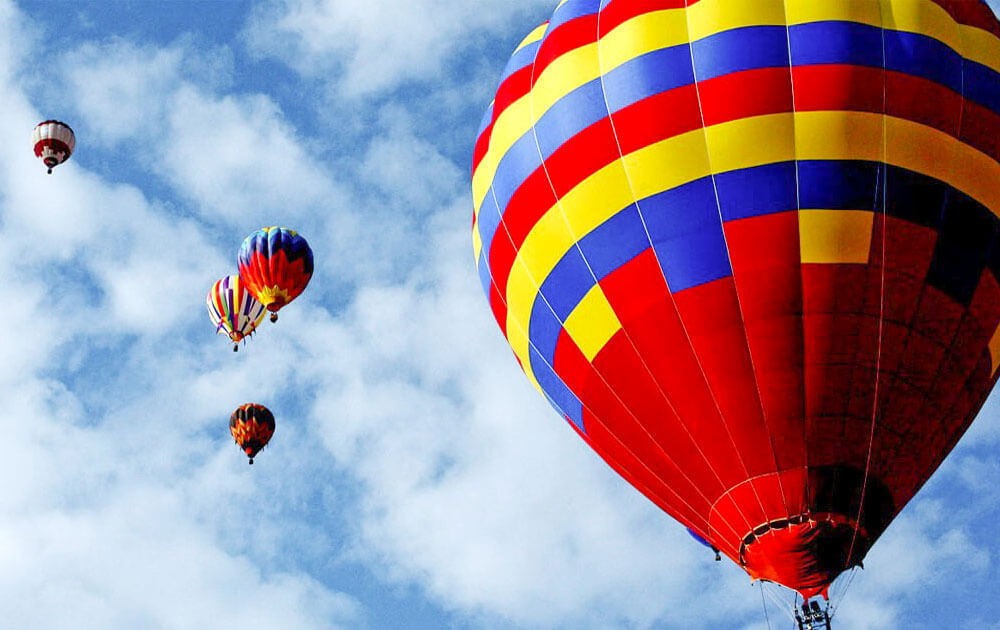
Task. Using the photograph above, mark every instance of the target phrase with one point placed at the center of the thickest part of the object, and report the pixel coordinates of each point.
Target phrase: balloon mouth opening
(805, 553)
(50, 162)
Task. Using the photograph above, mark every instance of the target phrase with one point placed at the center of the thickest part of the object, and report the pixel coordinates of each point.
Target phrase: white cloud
(375, 45)
(118, 86)
(19, 36)
(138, 562)
(237, 158)
(233, 156)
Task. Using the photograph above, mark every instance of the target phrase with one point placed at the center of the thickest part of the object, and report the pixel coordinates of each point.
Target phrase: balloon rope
(881, 308)
(763, 603)
(798, 208)
(835, 607)
(775, 592)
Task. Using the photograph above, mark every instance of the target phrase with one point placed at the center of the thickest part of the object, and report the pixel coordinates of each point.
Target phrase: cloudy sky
(415, 479)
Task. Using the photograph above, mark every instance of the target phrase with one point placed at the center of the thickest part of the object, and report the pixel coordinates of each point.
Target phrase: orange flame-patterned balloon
(252, 426)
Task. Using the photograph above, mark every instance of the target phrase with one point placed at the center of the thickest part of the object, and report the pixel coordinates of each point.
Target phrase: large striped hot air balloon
(749, 251)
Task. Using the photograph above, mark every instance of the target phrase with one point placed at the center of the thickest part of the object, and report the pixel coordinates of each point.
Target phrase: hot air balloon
(54, 142)
(749, 251)
(233, 310)
(252, 426)
(276, 264)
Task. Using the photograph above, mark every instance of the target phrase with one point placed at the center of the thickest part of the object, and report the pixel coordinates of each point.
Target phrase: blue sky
(415, 479)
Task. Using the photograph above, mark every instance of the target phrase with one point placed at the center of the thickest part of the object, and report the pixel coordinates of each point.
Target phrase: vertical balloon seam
(575, 244)
(881, 189)
(739, 301)
(262, 251)
(517, 323)
(275, 268)
(222, 305)
(636, 203)
(257, 264)
(236, 298)
(231, 301)
(240, 307)
(212, 310)
(800, 265)
(232, 306)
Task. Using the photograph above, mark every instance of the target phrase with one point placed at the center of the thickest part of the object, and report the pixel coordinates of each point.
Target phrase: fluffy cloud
(233, 156)
(376, 45)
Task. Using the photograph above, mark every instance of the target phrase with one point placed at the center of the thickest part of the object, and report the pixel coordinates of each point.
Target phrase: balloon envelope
(749, 251)
(251, 426)
(53, 142)
(232, 309)
(276, 263)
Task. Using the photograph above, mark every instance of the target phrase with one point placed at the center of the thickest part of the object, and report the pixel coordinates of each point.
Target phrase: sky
(415, 479)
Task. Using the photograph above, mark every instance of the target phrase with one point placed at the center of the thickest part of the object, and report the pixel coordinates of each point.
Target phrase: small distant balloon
(276, 264)
(233, 309)
(252, 426)
(54, 142)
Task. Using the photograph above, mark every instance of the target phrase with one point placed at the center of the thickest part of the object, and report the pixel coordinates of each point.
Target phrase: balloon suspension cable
(763, 603)
(775, 594)
(812, 616)
(834, 607)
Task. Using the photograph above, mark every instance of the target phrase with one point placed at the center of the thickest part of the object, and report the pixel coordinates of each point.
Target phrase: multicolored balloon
(749, 251)
(233, 310)
(276, 264)
(251, 426)
(54, 142)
